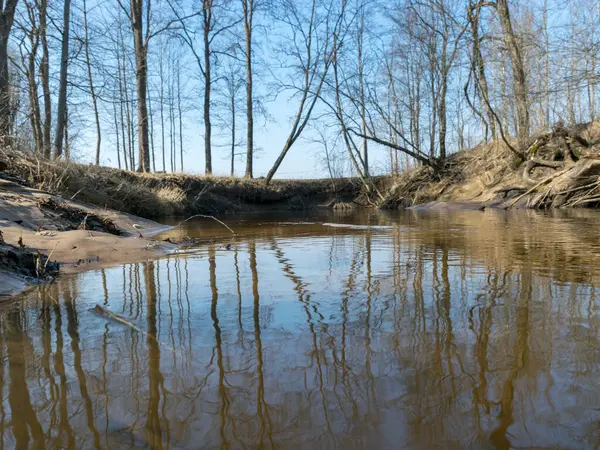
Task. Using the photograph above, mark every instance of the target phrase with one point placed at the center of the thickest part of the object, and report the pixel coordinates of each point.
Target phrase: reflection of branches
(46, 320)
(304, 298)
(73, 331)
(223, 390)
(261, 404)
(299, 285)
(59, 367)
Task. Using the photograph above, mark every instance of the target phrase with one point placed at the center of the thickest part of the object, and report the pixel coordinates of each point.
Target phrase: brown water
(412, 330)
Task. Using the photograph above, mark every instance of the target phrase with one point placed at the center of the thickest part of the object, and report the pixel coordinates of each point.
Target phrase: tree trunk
(34, 103)
(6, 21)
(122, 111)
(67, 143)
(361, 83)
(442, 100)
(117, 134)
(141, 80)
(207, 14)
(518, 69)
(45, 80)
(233, 134)
(179, 113)
(479, 68)
(248, 6)
(170, 93)
(162, 109)
(92, 91)
(61, 117)
(151, 132)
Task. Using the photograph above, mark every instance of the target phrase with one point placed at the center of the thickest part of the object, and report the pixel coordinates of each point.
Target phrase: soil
(74, 236)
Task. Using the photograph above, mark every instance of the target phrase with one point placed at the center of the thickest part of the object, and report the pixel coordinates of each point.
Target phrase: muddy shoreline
(44, 235)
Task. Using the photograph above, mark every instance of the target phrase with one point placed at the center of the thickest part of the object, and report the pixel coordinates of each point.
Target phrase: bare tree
(7, 14)
(91, 82)
(313, 34)
(215, 21)
(30, 30)
(478, 70)
(518, 69)
(141, 36)
(248, 7)
(61, 117)
(45, 78)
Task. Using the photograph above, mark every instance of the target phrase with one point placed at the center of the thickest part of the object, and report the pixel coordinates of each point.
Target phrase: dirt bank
(76, 235)
(557, 169)
(160, 195)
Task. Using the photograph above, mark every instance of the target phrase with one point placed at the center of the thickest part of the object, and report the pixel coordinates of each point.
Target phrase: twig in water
(206, 217)
(105, 312)
(111, 315)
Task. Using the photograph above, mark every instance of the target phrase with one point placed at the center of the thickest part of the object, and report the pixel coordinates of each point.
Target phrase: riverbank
(153, 195)
(83, 216)
(557, 169)
(38, 227)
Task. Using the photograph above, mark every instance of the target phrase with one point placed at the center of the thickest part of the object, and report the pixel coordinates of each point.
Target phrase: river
(411, 329)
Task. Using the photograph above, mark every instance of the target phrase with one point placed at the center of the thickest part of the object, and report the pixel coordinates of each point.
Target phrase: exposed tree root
(557, 169)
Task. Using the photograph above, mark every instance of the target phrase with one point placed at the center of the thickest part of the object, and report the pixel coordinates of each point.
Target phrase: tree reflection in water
(443, 332)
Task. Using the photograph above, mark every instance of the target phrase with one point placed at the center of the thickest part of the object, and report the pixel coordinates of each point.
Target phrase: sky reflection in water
(412, 330)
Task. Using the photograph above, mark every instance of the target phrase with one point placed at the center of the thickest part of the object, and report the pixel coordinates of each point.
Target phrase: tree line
(413, 79)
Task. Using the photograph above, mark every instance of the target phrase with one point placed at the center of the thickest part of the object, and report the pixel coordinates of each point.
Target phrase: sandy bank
(77, 235)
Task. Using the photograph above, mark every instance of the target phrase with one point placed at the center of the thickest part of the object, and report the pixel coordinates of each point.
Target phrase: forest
(375, 87)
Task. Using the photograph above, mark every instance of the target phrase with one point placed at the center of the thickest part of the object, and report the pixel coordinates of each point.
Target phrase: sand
(50, 232)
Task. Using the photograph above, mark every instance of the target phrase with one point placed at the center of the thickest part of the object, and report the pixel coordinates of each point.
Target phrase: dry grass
(155, 195)
(468, 175)
(491, 174)
(487, 173)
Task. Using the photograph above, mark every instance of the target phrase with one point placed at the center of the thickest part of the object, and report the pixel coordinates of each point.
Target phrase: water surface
(357, 330)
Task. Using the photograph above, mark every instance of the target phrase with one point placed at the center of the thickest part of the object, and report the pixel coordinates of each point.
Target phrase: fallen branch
(75, 194)
(206, 217)
(587, 200)
(111, 315)
(579, 188)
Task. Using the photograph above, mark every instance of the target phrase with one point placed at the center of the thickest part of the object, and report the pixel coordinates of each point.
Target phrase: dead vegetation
(27, 262)
(563, 169)
(80, 220)
(560, 168)
(156, 195)
(468, 175)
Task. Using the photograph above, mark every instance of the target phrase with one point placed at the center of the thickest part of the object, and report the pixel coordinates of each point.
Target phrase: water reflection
(470, 330)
